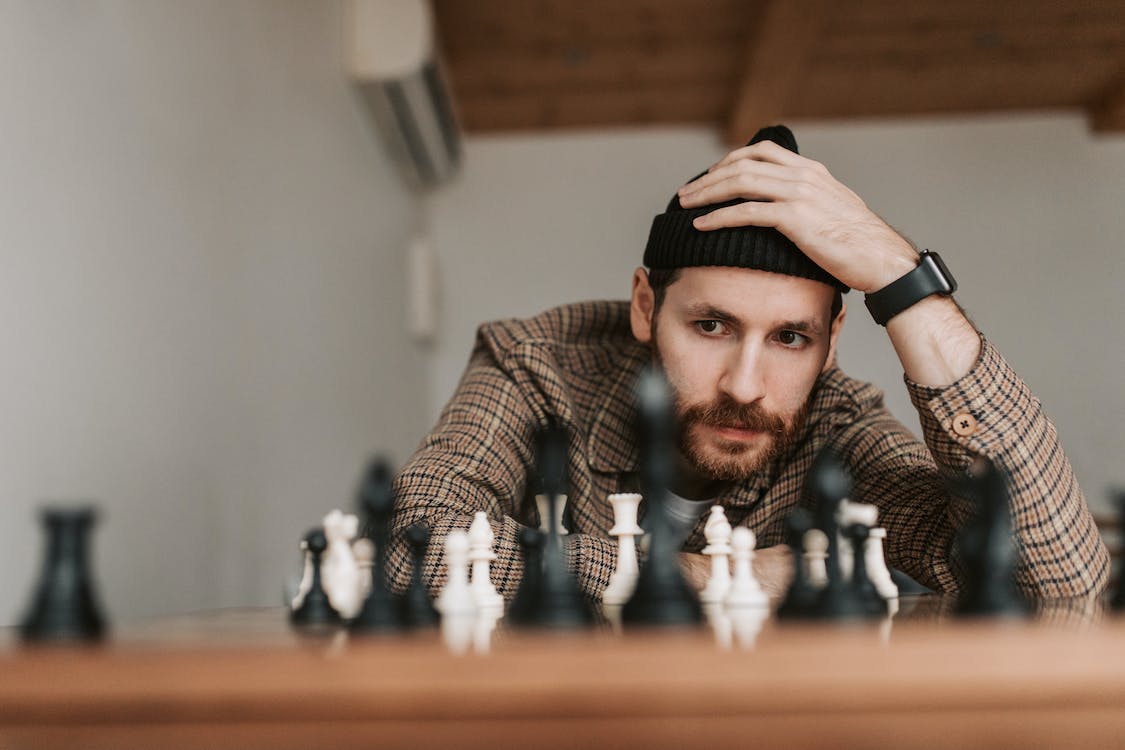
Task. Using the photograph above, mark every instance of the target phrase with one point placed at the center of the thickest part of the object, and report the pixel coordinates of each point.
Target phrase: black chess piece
(662, 596)
(65, 605)
(525, 605)
(380, 613)
(316, 612)
(1117, 603)
(561, 603)
(872, 604)
(827, 485)
(800, 598)
(416, 609)
(987, 548)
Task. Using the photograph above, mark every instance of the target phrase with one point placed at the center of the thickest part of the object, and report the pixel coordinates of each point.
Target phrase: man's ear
(641, 307)
(834, 336)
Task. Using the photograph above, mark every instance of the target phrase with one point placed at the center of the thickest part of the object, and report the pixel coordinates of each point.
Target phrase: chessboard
(246, 679)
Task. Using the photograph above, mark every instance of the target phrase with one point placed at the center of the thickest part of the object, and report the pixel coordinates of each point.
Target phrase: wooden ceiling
(738, 64)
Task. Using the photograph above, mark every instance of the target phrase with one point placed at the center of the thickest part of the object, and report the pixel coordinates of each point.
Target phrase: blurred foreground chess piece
(827, 486)
(1117, 604)
(416, 609)
(662, 597)
(316, 614)
(800, 599)
(379, 613)
(987, 548)
(561, 604)
(65, 605)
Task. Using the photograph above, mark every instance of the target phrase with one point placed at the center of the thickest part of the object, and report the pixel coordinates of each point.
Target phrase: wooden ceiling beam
(780, 45)
(1107, 115)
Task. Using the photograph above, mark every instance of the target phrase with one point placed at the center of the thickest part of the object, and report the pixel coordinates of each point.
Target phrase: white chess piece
(877, 568)
(746, 623)
(363, 550)
(455, 602)
(744, 588)
(481, 556)
(624, 577)
(339, 571)
(541, 502)
(717, 530)
(847, 514)
(306, 577)
(815, 558)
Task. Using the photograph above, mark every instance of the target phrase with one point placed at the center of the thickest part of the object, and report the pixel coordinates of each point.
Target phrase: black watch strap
(930, 277)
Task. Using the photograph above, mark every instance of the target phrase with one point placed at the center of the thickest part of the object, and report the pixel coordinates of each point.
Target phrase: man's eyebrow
(801, 326)
(710, 312)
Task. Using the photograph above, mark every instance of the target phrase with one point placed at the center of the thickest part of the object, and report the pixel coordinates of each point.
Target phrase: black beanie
(674, 243)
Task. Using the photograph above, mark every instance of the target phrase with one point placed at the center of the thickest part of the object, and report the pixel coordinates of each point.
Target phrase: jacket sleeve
(989, 412)
(478, 458)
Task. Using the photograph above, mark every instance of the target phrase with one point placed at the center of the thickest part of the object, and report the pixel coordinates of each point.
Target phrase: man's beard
(735, 460)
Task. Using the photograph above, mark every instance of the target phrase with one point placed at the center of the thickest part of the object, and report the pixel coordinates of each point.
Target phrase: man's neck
(691, 485)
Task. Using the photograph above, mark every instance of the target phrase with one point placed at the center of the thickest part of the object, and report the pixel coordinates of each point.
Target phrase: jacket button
(965, 424)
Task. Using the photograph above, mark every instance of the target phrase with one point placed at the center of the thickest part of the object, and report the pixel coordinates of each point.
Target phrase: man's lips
(734, 433)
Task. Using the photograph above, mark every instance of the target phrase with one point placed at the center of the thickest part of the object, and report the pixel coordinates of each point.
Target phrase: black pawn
(987, 549)
(872, 604)
(316, 611)
(525, 605)
(662, 597)
(800, 599)
(65, 606)
(379, 613)
(416, 609)
(826, 486)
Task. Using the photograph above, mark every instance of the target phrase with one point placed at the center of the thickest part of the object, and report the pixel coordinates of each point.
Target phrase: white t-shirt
(686, 512)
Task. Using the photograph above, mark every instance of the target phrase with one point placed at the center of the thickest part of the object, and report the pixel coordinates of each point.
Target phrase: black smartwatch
(930, 277)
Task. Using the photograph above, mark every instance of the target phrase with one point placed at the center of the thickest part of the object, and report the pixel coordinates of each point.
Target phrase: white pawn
(481, 556)
(717, 530)
(455, 602)
(541, 502)
(339, 570)
(625, 574)
(744, 588)
(815, 558)
(363, 549)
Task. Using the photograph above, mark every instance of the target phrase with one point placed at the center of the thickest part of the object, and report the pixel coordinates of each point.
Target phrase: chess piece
(561, 604)
(316, 614)
(877, 569)
(717, 531)
(363, 550)
(745, 591)
(339, 570)
(826, 487)
(65, 604)
(987, 548)
(662, 597)
(455, 602)
(481, 555)
(1117, 603)
(624, 577)
(871, 604)
(816, 558)
(543, 505)
(530, 592)
(849, 513)
(416, 611)
(378, 614)
(306, 576)
(801, 596)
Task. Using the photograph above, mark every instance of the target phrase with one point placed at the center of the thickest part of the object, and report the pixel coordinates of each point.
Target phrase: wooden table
(242, 679)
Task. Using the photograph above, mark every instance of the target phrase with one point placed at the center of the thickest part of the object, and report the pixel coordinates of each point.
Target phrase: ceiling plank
(1107, 115)
(780, 45)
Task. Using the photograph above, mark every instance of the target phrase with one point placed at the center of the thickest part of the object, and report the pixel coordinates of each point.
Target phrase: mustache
(729, 413)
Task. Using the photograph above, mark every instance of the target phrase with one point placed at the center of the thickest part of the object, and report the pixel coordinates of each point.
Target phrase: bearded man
(741, 306)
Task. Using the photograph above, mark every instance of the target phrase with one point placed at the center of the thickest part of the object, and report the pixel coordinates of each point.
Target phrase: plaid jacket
(576, 365)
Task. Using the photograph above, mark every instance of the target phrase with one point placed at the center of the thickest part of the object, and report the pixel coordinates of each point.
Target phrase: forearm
(935, 342)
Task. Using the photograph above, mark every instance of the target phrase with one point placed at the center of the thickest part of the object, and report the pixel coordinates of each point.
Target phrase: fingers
(743, 179)
(742, 215)
(765, 151)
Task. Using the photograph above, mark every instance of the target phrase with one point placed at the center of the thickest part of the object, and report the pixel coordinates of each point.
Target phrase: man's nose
(743, 378)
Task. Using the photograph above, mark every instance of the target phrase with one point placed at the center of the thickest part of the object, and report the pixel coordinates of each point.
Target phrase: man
(741, 307)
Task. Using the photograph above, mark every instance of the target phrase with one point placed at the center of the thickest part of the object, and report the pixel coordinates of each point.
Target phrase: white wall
(201, 247)
(1027, 211)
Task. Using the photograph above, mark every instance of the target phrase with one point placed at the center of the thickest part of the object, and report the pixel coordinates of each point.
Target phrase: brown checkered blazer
(576, 365)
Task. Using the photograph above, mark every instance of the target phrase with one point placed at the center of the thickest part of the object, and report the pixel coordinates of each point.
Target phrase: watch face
(941, 274)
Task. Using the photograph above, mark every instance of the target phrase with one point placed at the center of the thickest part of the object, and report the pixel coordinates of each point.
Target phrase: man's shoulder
(574, 331)
(838, 395)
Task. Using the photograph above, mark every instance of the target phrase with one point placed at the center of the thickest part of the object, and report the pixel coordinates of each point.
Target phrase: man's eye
(710, 327)
(792, 339)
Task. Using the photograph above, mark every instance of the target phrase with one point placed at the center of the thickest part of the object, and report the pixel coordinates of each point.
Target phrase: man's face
(742, 350)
